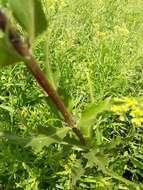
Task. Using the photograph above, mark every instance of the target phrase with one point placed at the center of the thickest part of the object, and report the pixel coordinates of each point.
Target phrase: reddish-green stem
(22, 49)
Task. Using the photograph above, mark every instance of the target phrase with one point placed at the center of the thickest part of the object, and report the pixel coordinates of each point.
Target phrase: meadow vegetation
(92, 53)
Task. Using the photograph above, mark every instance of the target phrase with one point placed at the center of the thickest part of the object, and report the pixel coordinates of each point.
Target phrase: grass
(94, 51)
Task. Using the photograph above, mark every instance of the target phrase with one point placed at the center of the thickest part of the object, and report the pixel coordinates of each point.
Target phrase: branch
(22, 49)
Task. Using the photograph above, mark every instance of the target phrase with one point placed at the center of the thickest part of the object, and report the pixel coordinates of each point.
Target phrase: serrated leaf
(114, 143)
(101, 161)
(52, 135)
(77, 172)
(29, 15)
(89, 115)
(7, 54)
(96, 159)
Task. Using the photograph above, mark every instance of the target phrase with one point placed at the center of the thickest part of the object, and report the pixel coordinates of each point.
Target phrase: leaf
(52, 107)
(7, 54)
(89, 115)
(77, 172)
(3, 2)
(7, 108)
(99, 136)
(96, 159)
(114, 143)
(98, 179)
(120, 178)
(65, 97)
(137, 163)
(52, 135)
(53, 76)
(101, 162)
(23, 11)
(29, 15)
(3, 98)
(13, 137)
(40, 19)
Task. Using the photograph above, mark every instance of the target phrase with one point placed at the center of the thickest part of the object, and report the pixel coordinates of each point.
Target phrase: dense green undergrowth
(94, 51)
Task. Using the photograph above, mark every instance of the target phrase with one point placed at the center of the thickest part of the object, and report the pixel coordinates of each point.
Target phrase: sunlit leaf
(7, 108)
(89, 115)
(137, 163)
(2, 98)
(40, 19)
(52, 135)
(29, 15)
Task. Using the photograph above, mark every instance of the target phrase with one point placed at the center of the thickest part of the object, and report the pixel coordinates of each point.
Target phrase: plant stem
(22, 49)
(44, 83)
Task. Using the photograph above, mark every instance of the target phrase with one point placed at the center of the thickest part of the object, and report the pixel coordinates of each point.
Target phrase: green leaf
(99, 179)
(13, 138)
(53, 107)
(137, 163)
(52, 135)
(53, 76)
(40, 19)
(7, 108)
(3, 98)
(77, 172)
(23, 11)
(89, 115)
(7, 53)
(3, 2)
(114, 143)
(96, 159)
(101, 161)
(29, 15)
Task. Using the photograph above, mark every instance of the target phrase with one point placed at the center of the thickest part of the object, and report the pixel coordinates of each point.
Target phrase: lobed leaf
(89, 115)
(101, 161)
(77, 172)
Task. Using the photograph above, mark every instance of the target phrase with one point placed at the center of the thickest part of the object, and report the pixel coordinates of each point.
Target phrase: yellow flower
(136, 112)
(119, 109)
(101, 35)
(137, 121)
(130, 101)
(121, 29)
